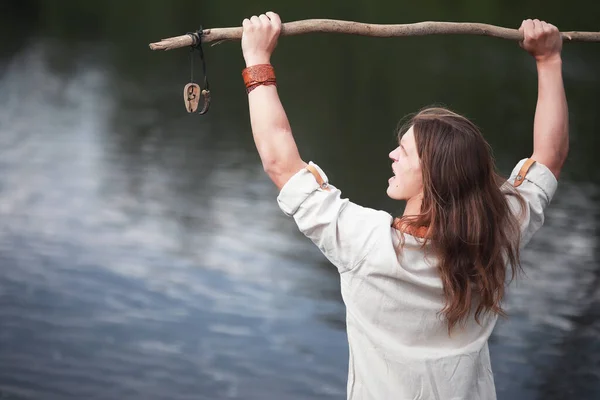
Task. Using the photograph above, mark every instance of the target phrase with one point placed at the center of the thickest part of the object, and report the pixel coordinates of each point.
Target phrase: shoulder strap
(318, 177)
(523, 172)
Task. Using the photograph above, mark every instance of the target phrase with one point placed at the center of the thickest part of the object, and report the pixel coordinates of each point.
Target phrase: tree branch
(375, 30)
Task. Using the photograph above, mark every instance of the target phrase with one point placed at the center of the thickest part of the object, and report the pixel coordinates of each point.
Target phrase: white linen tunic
(399, 347)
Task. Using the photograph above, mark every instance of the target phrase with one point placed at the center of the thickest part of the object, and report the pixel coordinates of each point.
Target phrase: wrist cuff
(256, 75)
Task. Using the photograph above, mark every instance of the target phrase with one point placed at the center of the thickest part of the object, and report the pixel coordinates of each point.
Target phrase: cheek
(418, 175)
(414, 166)
(416, 178)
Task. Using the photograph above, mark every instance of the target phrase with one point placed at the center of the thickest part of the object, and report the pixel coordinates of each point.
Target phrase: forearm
(270, 126)
(273, 135)
(551, 123)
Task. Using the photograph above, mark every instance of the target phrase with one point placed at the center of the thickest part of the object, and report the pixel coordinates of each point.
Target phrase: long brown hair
(472, 230)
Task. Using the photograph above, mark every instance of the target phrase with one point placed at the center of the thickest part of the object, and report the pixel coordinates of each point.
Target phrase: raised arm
(270, 126)
(551, 123)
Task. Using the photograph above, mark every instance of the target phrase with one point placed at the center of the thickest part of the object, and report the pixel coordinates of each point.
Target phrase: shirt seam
(540, 187)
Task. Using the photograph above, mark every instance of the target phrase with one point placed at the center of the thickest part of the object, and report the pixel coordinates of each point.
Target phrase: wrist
(551, 60)
(256, 60)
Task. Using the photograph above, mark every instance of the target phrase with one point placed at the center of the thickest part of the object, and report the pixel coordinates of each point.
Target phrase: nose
(394, 154)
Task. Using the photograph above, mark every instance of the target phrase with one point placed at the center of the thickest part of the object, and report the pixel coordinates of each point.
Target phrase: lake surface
(143, 255)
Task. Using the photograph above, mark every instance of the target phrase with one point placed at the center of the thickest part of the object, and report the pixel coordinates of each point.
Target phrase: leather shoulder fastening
(318, 177)
(523, 172)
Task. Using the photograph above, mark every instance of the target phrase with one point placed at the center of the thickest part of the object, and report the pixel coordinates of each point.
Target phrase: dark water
(142, 252)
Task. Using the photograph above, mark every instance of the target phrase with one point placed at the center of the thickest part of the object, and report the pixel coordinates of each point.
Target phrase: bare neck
(413, 206)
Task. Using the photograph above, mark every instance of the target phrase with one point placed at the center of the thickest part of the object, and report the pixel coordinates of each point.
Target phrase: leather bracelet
(260, 74)
(255, 85)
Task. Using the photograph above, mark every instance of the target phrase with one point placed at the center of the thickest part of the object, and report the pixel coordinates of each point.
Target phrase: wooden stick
(358, 28)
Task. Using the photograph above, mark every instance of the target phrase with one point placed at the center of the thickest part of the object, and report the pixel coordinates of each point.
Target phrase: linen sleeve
(536, 185)
(344, 232)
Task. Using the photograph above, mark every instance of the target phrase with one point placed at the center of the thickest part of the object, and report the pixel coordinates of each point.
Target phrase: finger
(274, 18)
(246, 26)
(528, 29)
(553, 28)
(546, 27)
(264, 20)
(528, 25)
(255, 21)
(537, 24)
(532, 30)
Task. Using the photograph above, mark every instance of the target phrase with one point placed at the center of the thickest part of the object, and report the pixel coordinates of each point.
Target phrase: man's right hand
(541, 39)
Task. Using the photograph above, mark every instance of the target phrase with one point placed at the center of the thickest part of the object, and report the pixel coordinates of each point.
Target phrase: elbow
(272, 166)
(561, 158)
(275, 170)
(553, 155)
(553, 162)
(283, 163)
(563, 155)
(280, 171)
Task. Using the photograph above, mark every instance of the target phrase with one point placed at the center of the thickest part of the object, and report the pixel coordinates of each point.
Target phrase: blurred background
(143, 255)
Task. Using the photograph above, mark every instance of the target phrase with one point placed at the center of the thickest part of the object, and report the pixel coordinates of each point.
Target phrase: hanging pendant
(206, 103)
(191, 97)
(192, 91)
